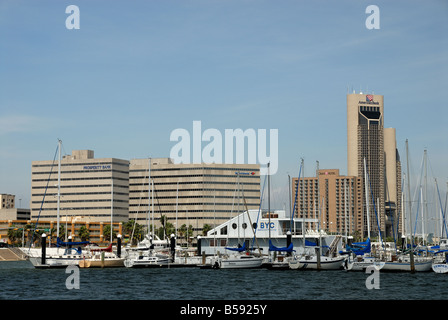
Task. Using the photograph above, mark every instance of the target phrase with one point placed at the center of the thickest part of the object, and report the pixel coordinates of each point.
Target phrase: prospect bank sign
(105, 167)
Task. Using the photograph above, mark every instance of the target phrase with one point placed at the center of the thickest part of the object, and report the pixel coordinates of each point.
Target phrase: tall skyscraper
(368, 140)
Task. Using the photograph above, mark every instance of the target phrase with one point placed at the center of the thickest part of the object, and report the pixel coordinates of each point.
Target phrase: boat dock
(11, 254)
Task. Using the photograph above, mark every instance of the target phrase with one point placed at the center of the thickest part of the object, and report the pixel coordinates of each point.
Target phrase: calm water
(21, 281)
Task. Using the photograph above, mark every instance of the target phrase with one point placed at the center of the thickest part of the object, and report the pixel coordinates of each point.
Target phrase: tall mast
(59, 186)
(149, 195)
(411, 255)
(111, 203)
(269, 201)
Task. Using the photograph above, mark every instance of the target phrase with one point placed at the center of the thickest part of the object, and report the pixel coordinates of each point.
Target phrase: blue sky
(137, 70)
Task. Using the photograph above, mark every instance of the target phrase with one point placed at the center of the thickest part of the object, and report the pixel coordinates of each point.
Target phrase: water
(21, 281)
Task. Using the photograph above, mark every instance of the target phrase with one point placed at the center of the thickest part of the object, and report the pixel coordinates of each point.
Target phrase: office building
(109, 189)
(191, 194)
(368, 141)
(91, 189)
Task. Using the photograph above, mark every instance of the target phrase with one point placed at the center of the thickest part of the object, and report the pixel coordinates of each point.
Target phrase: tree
(15, 235)
(187, 233)
(106, 233)
(135, 231)
(206, 228)
(84, 233)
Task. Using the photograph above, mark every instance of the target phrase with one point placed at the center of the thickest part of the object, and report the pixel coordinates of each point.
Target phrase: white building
(240, 231)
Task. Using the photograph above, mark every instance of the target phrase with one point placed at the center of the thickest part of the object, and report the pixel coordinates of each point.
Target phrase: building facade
(95, 190)
(335, 200)
(7, 201)
(190, 194)
(116, 190)
(368, 141)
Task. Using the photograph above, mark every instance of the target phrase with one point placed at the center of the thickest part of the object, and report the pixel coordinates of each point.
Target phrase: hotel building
(367, 139)
(333, 199)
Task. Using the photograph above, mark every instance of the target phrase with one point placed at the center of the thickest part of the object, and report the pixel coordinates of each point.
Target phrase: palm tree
(84, 233)
(106, 233)
(206, 228)
(134, 230)
(15, 234)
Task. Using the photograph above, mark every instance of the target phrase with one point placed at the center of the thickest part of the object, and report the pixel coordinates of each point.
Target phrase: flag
(369, 97)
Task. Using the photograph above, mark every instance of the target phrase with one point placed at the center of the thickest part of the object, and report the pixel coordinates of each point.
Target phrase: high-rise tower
(365, 140)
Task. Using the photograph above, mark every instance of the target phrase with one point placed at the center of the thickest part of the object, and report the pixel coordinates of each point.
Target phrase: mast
(426, 197)
(289, 192)
(111, 203)
(269, 202)
(177, 203)
(319, 246)
(411, 255)
(59, 186)
(345, 209)
(149, 196)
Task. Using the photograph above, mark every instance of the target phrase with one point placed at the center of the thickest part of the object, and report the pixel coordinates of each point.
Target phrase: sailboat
(440, 263)
(362, 250)
(278, 257)
(312, 256)
(61, 256)
(239, 257)
(407, 261)
(150, 252)
(103, 257)
(65, 253)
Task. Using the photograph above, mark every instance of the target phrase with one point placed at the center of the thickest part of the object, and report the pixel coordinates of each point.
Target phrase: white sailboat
(148, 253)
(408, 262)
(239, 257)
(317, 262)
(102, 257)
(65, 253)
(312, 257)
(440, 263)
(362, 250)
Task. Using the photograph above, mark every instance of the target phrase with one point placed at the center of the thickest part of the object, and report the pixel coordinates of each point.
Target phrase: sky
(135, 71)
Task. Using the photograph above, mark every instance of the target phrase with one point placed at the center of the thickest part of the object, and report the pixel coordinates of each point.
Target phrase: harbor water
(21, 281)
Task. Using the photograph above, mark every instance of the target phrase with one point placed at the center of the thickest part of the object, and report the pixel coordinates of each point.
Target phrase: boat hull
(326, 263)
(419, 266)
(440, 268)
(362, 263)
(240, 263)
(147, 262)
(54, 262)
(97, 263)
(362, 266)
(54, 258)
